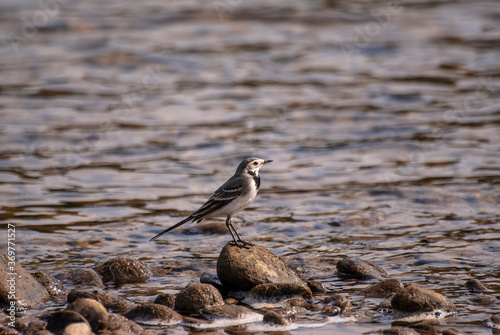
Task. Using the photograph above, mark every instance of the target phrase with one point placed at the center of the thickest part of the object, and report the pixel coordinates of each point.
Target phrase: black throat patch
(256, 178)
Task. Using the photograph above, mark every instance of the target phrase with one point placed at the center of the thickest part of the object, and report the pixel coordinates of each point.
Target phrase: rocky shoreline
(253, 286)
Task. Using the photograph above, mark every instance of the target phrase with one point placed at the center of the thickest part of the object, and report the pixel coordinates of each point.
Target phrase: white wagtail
(235, 195)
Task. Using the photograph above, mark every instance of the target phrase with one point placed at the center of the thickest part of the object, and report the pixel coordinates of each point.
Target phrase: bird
(233, 196)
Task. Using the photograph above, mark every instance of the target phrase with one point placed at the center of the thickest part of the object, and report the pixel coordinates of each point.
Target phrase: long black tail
(190, 218)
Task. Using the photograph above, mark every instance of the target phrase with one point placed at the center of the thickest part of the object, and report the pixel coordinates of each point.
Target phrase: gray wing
(229, 191)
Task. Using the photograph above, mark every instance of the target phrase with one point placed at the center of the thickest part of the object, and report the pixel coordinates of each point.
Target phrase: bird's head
(252, 165)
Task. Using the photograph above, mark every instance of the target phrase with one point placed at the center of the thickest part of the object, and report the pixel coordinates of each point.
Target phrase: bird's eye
(255, 163)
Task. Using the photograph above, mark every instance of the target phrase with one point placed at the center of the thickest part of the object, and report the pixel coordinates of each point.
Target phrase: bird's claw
(241, 244)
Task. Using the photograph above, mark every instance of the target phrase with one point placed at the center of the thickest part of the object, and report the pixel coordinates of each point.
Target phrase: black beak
(269, 161)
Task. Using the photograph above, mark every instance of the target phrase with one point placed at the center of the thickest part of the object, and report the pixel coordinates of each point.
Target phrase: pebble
(275, 318)
(165, 299)
(57, 321)
(117, 304)
(120, 325)
(122, 270)
(80, 277)
(383, 289)
(153, 314)
(29, 292)
(415, 299)
(359, 269)
(93, 311)
(316, 286)
(53, 285)
(244, 268)
(475, 286)
(79, 328)
(338, 300)
(276, 292)
(226, 312)
(195, 297)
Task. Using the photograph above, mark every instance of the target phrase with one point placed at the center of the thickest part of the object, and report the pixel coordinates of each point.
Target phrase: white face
(255, 165)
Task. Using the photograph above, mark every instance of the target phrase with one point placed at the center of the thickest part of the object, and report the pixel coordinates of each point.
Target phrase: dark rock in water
(383, 289)
(385, 306)
(275, 318)
(228, 312)
(316, 286)
(79, 328)
(399, 331)
(93, 311)
(80, 277)
(118, 304)
(212, 279)
(28, 291)
(53, 285)
(277, 292)
(123, 270)
(338, 300)
(59, 320)
(195, 297)
(120, 325)
(475, 286)
(166, 299)
(359, 269)
(244, 268)
(414, 299)
(153, 314)
(484, 300)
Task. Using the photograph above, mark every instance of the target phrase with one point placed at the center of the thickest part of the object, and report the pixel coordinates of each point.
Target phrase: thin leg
(229, 225)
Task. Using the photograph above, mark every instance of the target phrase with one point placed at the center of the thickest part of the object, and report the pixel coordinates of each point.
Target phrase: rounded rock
(59, 320)
(338, 300)
(277, 292)
(359, 269)
(165, 299)
(122, 270)
(475, 286)
(415, 299)
(275, 318)
(79, 328)
(53, 285)
(195, 297)
(80, 277)
(244, 268)
(153, 314)
(118, 304)
(383, 289)
(29, 292)
(93, 311)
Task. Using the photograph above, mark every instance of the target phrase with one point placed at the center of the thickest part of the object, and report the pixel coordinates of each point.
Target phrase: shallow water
(383, 119)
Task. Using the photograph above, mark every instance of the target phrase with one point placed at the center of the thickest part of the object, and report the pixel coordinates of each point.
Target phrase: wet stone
(359, 269)
(415, 299)
(484, 300)
(79, 328)
(338, 300)
(210, 278)
(93, 311)
(80, 277)
(117, 304)
(53, 285)
(165, 299)
(29, 292)
(275, 318)
(475, 286)
(277, 292)
(226, 312)
(59, 320)
(195, 297)
(153, 314)
(383, 289)
(123, 270)
(244, 268)
(120, 325)
(316, 286)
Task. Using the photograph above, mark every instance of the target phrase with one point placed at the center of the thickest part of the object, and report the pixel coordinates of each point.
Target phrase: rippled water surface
(118, 118)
